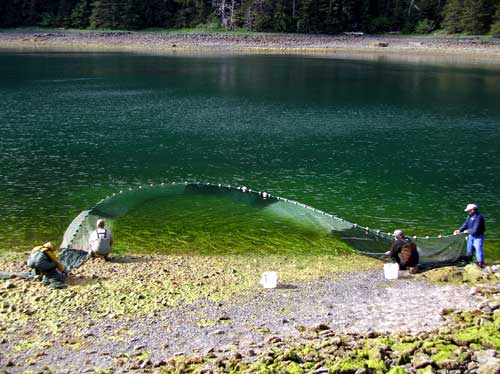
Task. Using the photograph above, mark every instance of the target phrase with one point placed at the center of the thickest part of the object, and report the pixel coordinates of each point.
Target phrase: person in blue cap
(474, 227)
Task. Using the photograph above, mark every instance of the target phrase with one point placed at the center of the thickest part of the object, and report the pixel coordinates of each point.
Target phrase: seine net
(432, 250)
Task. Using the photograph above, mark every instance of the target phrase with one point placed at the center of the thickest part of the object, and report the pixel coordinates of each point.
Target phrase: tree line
(291, 16)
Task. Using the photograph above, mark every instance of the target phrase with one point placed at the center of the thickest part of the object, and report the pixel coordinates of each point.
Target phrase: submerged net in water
(433, 250)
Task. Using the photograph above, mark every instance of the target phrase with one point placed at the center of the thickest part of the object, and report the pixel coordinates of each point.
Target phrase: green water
(217, 226)
(386, 145)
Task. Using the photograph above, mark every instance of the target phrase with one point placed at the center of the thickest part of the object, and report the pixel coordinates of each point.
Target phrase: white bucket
(391, 271)
(269, 279)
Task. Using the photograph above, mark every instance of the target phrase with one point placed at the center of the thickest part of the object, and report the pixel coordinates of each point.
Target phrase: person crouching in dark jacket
(44, 261)
(404, 252)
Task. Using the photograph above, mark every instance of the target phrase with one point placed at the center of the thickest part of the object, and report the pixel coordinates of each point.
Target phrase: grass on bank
(207, 29)
(183, 31)
(216, 30)
(439, 34)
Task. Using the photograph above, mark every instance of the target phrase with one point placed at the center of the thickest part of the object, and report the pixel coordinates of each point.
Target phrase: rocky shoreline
(176, 314)
(157, 42)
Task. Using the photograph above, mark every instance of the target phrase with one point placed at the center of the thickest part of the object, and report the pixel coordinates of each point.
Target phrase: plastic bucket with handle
(391, 271)
(269, 279)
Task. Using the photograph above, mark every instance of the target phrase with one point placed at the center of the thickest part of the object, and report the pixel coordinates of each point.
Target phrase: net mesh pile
(73, 258)
(433, 250)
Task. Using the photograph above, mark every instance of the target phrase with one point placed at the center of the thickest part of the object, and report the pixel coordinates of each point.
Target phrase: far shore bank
(411, 49)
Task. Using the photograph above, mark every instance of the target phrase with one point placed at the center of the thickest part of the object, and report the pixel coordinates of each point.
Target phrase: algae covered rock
(421, 360)
(486, 335)
(294, 368)
(427, 370)
(348, 365)
(397, 370)
(472, 274)
(444, 275)
(363, 360)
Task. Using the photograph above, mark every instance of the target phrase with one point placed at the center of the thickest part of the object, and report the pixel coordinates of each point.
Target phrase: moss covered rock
(472, 274)
(294, 368)
(444, 275)
(348, 366)
(486, 335)
(426, 370)
(421, 360)
(397, 370)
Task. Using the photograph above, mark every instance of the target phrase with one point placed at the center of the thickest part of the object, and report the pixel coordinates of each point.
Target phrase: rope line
(245, 189)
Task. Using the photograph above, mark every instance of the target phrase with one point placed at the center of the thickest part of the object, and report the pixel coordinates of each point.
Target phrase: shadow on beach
(287, 286)
(130, 259)
(83, 280)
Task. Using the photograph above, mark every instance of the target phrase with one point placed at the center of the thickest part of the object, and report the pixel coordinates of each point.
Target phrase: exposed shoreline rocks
(179, 43)
(341, 322)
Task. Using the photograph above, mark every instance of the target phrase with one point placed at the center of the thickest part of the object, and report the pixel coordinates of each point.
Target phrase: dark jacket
(404, 252)
(44, 259)
(474, 225)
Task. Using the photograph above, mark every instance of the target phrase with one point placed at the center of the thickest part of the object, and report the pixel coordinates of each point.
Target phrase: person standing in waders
(474, 227)
(44, 261)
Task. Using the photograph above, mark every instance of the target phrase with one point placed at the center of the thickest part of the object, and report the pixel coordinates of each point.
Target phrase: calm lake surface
(386, 145)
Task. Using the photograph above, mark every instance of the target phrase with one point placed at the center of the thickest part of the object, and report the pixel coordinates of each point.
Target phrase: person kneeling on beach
(404, 252)
(101, 241)
(44, 261)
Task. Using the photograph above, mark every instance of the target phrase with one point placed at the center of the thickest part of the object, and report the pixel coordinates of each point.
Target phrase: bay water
(383, 144)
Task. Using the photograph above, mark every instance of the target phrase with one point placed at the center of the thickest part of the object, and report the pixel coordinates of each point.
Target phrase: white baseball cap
(470, 207)
(398, 233)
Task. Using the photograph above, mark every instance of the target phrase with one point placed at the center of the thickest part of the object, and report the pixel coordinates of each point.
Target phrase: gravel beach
(358, 303)
(92, 324)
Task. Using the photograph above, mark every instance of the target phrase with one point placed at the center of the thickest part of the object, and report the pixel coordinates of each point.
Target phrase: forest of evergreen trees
(303, 16)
